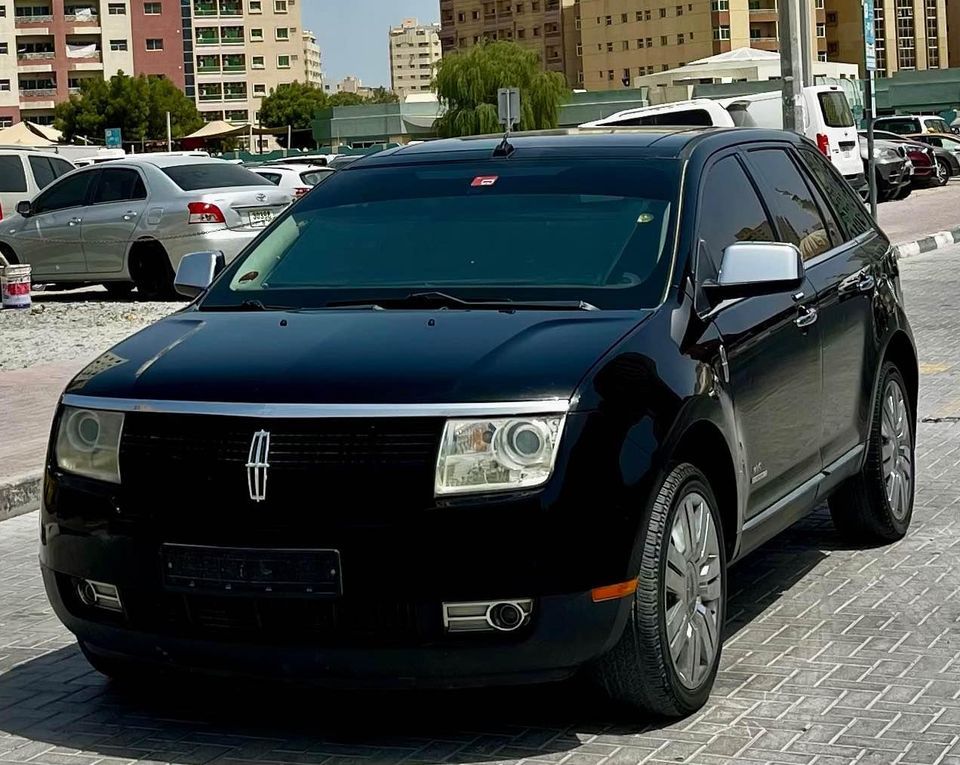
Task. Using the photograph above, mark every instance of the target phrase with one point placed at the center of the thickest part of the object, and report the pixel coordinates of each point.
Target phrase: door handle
(860, 282)
(866, 283)
(129, 215)
(807, 317)
(75, 221)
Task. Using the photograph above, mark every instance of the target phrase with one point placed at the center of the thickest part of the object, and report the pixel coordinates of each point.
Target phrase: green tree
(467, 84)
(294, 104)
(345, 99)
(136, 105)
(382, 96)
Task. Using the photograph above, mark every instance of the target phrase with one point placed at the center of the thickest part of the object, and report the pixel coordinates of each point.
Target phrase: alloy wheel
(896, 450)
(693, 590)
(943, 175)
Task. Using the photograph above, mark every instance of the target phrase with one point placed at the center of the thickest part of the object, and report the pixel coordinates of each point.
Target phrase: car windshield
(598, 231)
(211, 175)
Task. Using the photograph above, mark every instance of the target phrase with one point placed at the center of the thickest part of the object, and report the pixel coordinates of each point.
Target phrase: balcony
(234, 69)
(37, 56)
(38, 93)
(235, 97)
(90, 19)
(232, 41)
(210, 97)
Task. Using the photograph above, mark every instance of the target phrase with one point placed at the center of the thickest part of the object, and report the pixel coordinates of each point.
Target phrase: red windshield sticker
(485, 180)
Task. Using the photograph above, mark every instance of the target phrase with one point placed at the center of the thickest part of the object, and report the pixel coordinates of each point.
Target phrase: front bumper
(566, 632)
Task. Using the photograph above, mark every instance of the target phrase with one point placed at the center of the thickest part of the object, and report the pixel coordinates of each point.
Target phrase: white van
(828, 121)
(24, 172)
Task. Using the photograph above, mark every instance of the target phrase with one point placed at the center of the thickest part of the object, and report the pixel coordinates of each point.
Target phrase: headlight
(887, 155)
(88, 443)
(497, 454)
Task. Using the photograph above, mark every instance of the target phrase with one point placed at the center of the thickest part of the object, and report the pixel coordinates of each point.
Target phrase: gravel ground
(76, 324)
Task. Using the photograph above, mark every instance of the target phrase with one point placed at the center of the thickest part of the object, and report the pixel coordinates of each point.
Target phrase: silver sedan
(129, 222)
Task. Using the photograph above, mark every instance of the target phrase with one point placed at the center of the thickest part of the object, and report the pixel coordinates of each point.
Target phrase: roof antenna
(508, 109)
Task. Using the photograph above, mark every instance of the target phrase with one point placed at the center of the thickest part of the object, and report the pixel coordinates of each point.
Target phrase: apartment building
(545, 26)
(312, 63)
(910, 34)
(623, 39)
(414, 49)
(243, 49)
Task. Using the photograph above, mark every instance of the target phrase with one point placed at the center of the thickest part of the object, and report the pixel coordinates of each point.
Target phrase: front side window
(845, 202)
(70, 192)
(721, 224)
(798, 216)
(598, 231)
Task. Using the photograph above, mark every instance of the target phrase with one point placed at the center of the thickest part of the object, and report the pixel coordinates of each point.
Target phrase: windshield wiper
(442, 300)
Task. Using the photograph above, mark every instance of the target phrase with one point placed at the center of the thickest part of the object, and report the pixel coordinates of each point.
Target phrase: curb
(19, 495)
(930, 243)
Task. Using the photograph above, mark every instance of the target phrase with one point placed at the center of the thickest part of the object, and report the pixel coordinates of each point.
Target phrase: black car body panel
(776, 413)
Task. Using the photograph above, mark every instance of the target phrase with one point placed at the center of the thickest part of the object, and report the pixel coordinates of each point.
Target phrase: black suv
(480, 412)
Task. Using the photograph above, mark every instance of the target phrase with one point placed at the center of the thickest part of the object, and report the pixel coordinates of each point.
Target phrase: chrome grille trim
(294, 411)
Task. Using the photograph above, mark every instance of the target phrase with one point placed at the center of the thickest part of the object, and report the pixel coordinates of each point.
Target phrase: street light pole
(791, 70)
(870, 107)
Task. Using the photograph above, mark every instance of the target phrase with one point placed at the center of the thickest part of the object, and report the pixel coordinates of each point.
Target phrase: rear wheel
(943, 173)
(877, 503)
(667, 658)
(151, 271)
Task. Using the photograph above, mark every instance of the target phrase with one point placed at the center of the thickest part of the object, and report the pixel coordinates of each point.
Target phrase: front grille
(192, 460)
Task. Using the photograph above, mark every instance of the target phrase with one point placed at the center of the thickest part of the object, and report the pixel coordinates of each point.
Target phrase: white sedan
(296, 180)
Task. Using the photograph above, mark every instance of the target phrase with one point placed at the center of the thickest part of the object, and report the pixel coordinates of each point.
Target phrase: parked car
(893, 166)
(303, 159)
(24, 173)
(294, 179)
(555, 434)
(342, 160)
(947, 162)
(830, 121)
(908, 124)
(928, 167)
(130, 222)
(946, 145)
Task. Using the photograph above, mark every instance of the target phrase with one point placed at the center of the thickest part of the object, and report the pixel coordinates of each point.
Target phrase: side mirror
(197, 271)
(24, 208)
(756, 268)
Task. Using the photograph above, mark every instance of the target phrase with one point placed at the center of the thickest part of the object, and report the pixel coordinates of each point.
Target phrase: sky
(352, 34)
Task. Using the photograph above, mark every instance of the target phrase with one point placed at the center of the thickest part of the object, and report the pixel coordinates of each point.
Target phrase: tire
(942, 177)
(874, 506)
(119, 289)
(640, 670)
(152, 272)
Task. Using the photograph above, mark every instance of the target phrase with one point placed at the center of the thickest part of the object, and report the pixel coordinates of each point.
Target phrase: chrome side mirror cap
(757, 268)
(197, 271)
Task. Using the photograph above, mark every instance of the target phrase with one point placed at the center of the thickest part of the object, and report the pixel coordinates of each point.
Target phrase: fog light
(99, 595)
(487, 615)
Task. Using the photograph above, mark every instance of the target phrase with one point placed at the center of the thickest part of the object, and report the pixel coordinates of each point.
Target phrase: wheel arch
(8, 252)
(703, 445)
(900, 350)
(138, 248)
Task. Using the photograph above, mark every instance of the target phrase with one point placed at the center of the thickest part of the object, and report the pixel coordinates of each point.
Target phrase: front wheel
(943, 173)
(877, 503)
(666, 660)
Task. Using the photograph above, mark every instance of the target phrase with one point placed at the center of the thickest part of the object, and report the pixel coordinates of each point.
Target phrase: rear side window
(799, 219)
(12, 177)
(836, 109)
(119, 185)
(274, 178)
(60, 166)
(313, 177)
(722, 224)
(212, 175)
(899, 126)
(846, 204)
(937, 125)
(42, 171)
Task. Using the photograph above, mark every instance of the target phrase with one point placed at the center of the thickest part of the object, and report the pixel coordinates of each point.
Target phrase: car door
(845, 278)
(771, 342)
(50, 240)
(118, 202)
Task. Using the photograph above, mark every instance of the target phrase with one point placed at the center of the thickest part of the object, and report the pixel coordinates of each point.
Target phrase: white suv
(24, 173)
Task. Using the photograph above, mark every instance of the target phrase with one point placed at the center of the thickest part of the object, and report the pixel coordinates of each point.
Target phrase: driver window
(69, 192)
(722, 223)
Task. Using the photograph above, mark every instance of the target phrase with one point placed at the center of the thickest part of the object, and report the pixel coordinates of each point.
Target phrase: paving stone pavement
(834, 654)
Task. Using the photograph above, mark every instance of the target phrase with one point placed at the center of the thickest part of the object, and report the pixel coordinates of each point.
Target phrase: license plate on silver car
(260, 218)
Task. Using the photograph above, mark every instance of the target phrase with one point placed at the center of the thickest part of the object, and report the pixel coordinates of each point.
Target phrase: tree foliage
(345, 99)
(136, 105)
(467, 84)
(295, 104)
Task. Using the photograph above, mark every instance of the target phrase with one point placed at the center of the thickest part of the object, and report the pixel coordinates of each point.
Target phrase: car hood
(357, 356)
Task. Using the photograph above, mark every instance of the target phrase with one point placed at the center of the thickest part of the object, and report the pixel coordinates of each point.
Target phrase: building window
(639, 15)
(536, 31)
(4, 85)
(663, 39)
(664, 68)
(579, 50)
(663, 13)
(6, 122)
(117, 9)
(625, 45)
(118, 45)
(649, 42)
(580, 77)
(832, 18)
(283, 33)
(639, 42)
(626, 77)
(821, 57)
(283, 62)
(933, 39)
(280, 6)
(679, 10)
(906, 45)
(720, 5)
(4, 48)
(623, 18)
(154, 43)
(152, 9)
(255, 6)
(3, 11)
(260, 90)
(647, 15)
(609, 21)
(610, 75)
(256, 35)
(257, 62)
(821, 30)
(680, 39)
(609, 46)
(721, 32)
(577, 23)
